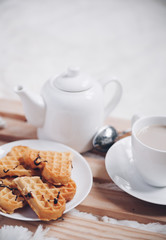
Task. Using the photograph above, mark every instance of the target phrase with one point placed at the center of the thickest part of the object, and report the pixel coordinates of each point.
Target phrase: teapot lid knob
(73, 81)
(72, 71)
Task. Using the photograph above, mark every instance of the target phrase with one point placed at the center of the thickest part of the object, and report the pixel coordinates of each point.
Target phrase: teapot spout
(33, 105)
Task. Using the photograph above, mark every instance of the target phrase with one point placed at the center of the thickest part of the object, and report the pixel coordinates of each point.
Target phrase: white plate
(81, 174)
(120, 167)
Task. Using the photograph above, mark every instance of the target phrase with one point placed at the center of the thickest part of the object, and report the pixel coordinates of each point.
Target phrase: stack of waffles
(41, 179)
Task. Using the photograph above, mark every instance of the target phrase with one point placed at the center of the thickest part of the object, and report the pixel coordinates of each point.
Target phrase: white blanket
(21, 233)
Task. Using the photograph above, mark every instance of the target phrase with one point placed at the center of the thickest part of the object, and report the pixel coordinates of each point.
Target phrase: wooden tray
(112, 202)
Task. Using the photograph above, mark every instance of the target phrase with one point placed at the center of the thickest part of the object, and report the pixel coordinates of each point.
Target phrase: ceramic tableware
(149, 158)
(121, 168)
(79, 171)
(70, 109)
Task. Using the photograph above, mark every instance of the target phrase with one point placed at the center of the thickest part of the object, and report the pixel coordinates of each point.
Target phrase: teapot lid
(73, 81)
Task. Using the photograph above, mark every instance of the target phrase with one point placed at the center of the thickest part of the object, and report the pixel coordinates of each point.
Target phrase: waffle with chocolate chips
(45, 199)
(40, 178)
(68, 190)
(20, 152)
(11, 166)
(10, 197)
(58, 169)
(55, 166)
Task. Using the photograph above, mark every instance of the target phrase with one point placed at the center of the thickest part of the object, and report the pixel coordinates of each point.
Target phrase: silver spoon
(106, 137)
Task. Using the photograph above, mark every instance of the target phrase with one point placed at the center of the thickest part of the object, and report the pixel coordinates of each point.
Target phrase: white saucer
(81, 174)
(120, 167)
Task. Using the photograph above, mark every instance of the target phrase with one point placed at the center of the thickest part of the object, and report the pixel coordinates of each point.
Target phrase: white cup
(150, 162)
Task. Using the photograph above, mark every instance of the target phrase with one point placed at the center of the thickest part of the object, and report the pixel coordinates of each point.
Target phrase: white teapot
(70, 108)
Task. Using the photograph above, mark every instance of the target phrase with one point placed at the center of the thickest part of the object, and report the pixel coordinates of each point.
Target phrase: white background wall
(122, 38)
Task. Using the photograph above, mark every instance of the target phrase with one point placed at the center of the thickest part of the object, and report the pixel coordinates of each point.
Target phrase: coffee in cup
(153, 136)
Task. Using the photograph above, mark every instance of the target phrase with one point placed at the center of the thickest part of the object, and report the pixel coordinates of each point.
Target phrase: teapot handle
(136, 117)
(116, 97)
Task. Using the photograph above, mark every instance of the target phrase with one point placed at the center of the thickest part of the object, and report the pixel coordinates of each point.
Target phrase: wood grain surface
(75, 228)
(101, 201)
